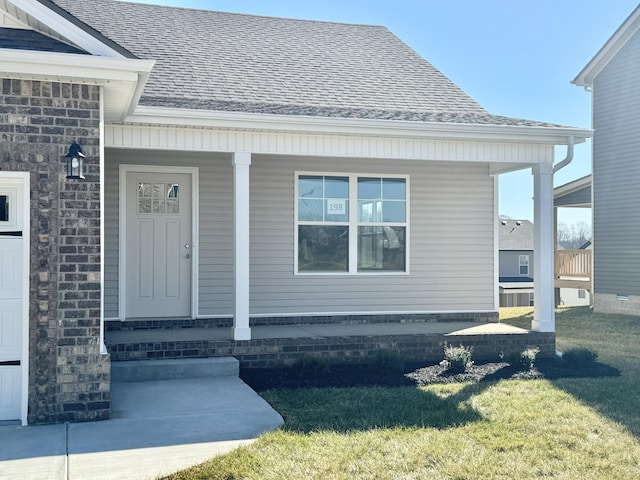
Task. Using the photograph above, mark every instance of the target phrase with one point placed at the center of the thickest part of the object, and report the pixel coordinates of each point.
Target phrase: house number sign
(336, 206)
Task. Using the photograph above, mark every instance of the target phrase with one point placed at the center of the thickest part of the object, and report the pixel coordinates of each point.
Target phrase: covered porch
(573, 267)
(348, 342)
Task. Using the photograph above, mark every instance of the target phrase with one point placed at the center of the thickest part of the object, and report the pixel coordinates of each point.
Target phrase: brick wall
(68, 378)
(268, 352)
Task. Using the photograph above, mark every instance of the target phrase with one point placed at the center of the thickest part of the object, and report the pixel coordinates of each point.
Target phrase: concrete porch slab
(158, 427)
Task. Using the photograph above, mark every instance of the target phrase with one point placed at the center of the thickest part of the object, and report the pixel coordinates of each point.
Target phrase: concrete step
(171, 369)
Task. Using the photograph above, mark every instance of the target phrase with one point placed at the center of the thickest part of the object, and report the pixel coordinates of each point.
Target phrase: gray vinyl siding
(510, 263)
(451, 238)
(616, 174)
(215, 245)
(579, 197)
(451, 242)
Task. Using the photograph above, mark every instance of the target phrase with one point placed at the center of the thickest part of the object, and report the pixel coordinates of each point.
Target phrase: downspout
(567, 160)
(563, 163)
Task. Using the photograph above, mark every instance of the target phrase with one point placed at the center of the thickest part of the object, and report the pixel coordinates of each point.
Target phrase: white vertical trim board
(103, 347)
(241, 213)
(195, 215)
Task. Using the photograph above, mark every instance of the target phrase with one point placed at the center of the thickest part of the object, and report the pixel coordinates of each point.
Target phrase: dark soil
(357, 375)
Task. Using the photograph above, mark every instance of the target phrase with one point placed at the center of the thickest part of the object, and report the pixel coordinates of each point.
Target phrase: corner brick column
(69, 380)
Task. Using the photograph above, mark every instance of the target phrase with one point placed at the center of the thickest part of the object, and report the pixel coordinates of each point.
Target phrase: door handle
(187, 255)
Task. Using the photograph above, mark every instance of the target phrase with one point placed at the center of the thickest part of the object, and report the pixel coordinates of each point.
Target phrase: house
(516, 262)
(183, 166)
(613, 78)
(573, 269)
(516, 268)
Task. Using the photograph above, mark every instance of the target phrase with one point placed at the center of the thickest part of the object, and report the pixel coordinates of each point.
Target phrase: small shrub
(580, 357)
(309, 366)
(457, 359)
(524, 360)
(386, 361)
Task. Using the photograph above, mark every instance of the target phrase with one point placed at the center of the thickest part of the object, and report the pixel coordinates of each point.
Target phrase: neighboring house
(613, 78)
(516, 268)
(516, 262)
(573, 270)
(236, 169)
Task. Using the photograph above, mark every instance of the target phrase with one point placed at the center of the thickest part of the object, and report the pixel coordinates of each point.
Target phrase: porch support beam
(543, 257)
(241, 163)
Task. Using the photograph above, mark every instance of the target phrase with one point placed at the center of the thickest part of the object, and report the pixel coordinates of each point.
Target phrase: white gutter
(195, 118)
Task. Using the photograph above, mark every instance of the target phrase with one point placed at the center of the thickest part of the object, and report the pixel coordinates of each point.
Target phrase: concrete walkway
(157, 427)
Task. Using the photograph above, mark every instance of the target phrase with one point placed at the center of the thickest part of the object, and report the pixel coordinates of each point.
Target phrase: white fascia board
(68, 66)
(609, 50)
(145, 115)
(572, 186)
(65, 28)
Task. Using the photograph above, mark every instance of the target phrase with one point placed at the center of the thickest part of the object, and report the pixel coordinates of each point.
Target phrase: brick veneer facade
(69, 379)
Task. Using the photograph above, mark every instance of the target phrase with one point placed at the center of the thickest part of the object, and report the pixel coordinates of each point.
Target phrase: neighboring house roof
(515, 234)
(576, 193)
(22, 39)
(618, 40)
(246, 63)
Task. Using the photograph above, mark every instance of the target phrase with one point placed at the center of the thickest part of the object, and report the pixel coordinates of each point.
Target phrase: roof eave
(122, 78)
(146, 115)
(609, 50)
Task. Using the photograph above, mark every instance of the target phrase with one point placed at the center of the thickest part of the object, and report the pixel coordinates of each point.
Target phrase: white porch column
(241, 163)
(544, 319)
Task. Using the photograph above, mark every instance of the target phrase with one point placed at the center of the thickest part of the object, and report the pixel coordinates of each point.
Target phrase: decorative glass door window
(351, 224)
(163, 198)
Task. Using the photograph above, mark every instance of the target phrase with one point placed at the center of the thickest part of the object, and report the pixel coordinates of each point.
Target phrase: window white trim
(523, 261)
(353, 223)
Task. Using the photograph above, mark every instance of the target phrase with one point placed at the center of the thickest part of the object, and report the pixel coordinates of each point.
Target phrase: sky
(514, 57)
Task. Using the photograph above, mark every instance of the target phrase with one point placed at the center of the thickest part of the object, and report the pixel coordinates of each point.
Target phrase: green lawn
(512, 429)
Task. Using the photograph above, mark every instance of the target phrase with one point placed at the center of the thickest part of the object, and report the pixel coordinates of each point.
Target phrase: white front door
(158, 245)
(12, 294)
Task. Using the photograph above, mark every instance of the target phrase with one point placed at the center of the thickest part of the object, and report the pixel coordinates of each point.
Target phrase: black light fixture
(75, 162)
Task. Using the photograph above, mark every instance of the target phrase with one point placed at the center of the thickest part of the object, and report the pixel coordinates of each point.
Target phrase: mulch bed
(416, 374)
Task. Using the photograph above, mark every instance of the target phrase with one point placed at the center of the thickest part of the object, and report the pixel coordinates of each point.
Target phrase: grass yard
(571, 428)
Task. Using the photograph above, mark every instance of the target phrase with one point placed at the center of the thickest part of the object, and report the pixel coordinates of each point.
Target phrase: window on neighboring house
(531, 299)
(582, 293)
(524, 264)
(350, 223)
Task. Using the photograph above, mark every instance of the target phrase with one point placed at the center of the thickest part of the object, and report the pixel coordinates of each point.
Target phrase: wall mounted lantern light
(75, 162)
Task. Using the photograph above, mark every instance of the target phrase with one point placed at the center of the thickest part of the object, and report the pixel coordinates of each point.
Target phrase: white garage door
(11, 299)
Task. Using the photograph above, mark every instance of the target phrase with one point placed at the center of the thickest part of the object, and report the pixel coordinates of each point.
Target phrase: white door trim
(25, 211)
(122, 210)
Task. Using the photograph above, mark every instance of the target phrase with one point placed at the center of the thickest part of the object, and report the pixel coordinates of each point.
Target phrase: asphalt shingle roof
(515, 234)
(235, 62)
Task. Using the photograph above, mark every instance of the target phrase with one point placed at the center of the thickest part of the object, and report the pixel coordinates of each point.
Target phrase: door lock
(187, 255)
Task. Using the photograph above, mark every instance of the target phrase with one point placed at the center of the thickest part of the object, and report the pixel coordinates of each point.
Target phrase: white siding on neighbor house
(616, 174)
(451, 241)
(450, 246)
